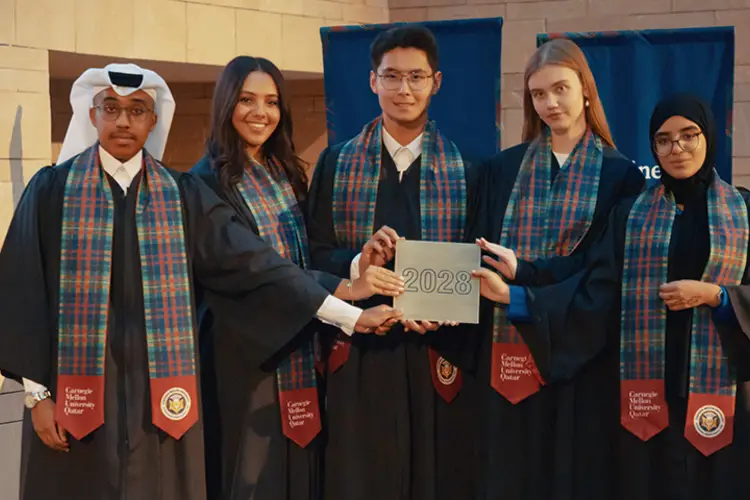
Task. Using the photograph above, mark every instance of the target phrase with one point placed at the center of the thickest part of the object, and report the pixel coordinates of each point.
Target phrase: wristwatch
(33, 398)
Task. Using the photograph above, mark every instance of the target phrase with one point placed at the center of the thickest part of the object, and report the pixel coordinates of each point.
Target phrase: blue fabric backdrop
(635, 69)
(467, 108)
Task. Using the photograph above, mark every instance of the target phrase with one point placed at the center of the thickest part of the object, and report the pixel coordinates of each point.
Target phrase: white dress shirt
(561, 158)
(403, 157)
(333, 311)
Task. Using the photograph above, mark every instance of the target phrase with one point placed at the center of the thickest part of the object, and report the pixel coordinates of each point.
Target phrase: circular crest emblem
(709, 421)
(446, 372)
(175, 403)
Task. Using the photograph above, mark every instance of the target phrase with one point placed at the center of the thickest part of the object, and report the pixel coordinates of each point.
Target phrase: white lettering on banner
(641, 404)
(513, 367)
(77, 400)
(298, 412)
(650, 172)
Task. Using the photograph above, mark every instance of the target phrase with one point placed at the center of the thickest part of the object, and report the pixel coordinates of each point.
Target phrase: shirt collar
(393, 146)
(111, 165)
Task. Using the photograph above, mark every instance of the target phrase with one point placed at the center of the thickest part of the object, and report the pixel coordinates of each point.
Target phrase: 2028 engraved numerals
(443, 282)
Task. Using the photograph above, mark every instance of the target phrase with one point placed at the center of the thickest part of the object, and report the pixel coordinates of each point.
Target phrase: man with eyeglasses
(99, 275)
(390, 434)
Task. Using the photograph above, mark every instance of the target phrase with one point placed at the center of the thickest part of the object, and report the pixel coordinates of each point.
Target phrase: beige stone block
(741, 168)
(7, 21)
(221, 3)
(301, 46)
(210, 34)
(483, 2)
(160, 30)
(333, 22)
(512, 81)
(309, 87)
(187, 139)
(465, 12)
(365, 14)
(323, 8)
(512, 127)
(302, 105)
(46, 24)
(589, 23)
(310, 136)
(444, 3)
(193, 107)
(512, 99)
(598, 8)
(740, 142)
(741, 181)
(698, 5)
(23, 58)
(187, 90)
(21, 170)
(296, 7)
(10, 169)
(742, 92)
(546, 10)
(21, 80)
(105, 27)
(742, 73)
(407, 4)
(740, 19)
(408, 15)
(25, 125)
(377, 3)
(672, 21)
(7, 206)
(259, 34)
(519, 43)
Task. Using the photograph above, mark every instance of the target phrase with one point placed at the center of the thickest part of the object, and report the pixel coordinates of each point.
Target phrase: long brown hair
(226, 149)
(564, 52)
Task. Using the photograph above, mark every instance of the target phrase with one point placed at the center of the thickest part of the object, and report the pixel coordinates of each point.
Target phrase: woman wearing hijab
(665, 299)
(547, 197)
(267, 413)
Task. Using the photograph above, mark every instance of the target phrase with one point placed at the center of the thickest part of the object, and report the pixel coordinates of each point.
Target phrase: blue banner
(636, 69)
(467, 107)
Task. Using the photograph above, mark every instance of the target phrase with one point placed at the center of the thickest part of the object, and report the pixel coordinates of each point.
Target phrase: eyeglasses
(687, 141)
(391, 80)
(136, 113)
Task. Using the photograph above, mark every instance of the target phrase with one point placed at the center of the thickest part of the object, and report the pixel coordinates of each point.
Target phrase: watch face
(29, 401)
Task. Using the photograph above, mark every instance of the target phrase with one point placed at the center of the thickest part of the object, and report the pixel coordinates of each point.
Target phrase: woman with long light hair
(544, 199)
(664, 293)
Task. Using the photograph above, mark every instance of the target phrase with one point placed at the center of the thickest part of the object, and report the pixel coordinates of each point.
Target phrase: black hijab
(694, 109)
(690, 244)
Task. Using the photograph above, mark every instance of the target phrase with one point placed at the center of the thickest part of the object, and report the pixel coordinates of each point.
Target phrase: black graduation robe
(527, 451)
(256, 459)
(390, 435)
(619, 465)
(241, 276)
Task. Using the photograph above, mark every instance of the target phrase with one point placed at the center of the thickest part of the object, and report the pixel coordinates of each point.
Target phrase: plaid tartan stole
(710, 417)
(543, 219)
(269, 195)
(442, 207)
(85, 273)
